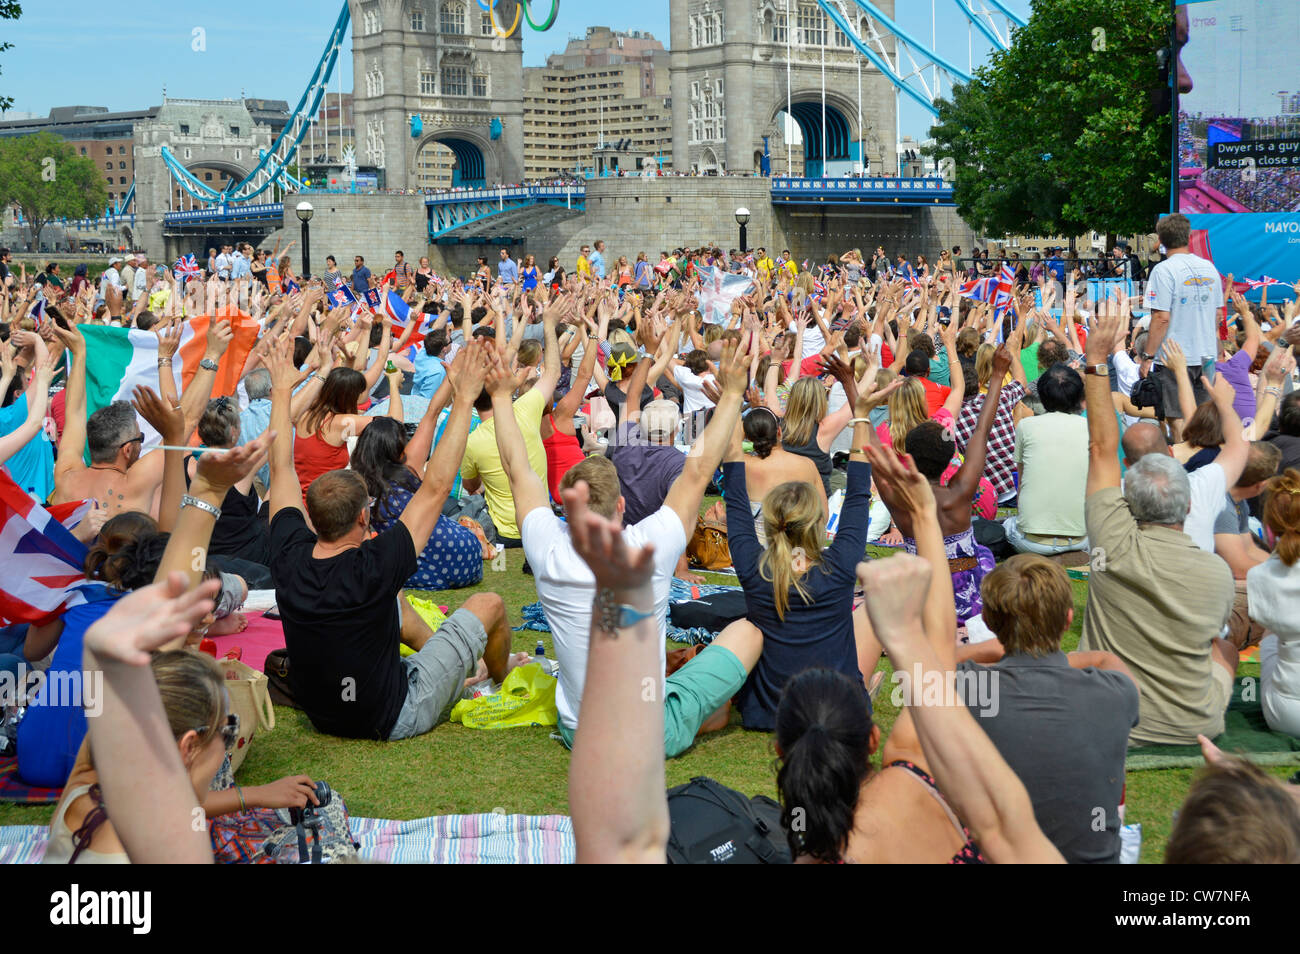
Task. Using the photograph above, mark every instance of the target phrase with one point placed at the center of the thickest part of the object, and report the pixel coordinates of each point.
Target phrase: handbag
(250, 699)
(708, 548)
(277, 678)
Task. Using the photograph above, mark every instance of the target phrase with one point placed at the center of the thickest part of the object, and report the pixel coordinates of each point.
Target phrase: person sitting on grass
(932, 446)
(799, 596)
(1155, 599)
(566, 587)
(1062, 719)
(388, 463)
(616, 777)
(340, 592)
(1273, 590)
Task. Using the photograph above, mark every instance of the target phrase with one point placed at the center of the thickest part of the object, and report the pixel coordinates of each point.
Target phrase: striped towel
(490, 838)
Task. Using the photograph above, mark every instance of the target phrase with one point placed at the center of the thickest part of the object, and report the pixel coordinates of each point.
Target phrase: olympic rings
(492, 18)
(522, 7)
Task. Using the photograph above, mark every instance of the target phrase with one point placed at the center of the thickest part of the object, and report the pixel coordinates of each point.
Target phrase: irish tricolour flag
(118, 360)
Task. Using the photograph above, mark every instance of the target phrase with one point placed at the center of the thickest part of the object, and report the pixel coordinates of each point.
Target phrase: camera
(307, 814)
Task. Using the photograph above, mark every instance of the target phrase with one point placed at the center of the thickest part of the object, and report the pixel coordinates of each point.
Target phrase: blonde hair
(603, 488)
(907, 409)
(794, 522)
(804, 410)
(984, 363)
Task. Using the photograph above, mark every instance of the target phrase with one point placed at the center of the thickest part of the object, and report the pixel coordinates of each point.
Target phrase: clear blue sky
(70, 52)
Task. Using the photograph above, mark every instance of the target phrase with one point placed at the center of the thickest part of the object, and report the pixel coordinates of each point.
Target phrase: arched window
(451, 18)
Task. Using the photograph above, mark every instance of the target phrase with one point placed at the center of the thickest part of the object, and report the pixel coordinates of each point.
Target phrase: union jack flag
(979, 289)
(41, 560)
(37, 313)
(186, 268)
(1264, 282)
(289, 286)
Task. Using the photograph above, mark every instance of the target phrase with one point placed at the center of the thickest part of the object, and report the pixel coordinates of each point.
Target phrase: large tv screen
(1239, 107)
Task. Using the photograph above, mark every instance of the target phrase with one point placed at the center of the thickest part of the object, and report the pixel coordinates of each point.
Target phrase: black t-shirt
(342, 626)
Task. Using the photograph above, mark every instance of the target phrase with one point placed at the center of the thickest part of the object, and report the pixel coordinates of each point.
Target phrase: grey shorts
(1169, 388)
(436, 674)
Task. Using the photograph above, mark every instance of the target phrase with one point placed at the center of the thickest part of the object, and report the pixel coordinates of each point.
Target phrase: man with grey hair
(256, 417)
(1155, 599)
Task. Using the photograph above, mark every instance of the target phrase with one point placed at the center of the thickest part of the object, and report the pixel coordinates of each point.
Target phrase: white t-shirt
(566, 588)
(1126, 375)
(692, 385)
(1190, 289)
(1209, 484)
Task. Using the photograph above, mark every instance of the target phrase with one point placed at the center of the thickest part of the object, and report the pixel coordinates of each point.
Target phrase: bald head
(1142, 439)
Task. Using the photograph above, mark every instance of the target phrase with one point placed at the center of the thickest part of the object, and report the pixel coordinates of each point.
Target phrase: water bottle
(549, 666)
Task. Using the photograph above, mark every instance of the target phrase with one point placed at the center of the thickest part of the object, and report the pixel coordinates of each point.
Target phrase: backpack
(713, 824)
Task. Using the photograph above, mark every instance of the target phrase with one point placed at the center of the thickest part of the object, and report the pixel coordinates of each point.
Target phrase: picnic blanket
(13, 789)
(489, 838)
(260, 638)
(680, 591)
(1244, 733)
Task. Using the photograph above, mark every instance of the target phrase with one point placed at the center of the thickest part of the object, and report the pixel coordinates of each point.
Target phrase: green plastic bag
(527, 698)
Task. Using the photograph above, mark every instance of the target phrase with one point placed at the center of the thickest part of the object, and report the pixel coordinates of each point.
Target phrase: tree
(9, 10)
(47, 180)
(1057, 135)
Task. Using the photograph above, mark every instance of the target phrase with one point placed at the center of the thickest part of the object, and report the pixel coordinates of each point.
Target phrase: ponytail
(1282, 514)
(823, 730)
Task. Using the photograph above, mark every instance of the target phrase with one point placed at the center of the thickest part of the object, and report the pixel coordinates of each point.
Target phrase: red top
(562, 453)
(313, 456)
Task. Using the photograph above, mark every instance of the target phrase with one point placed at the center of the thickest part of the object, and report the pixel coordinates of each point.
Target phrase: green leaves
(1055, 135)
(48, 180)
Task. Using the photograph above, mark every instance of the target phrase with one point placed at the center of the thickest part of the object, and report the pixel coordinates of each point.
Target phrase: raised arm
(616, 777)
(421, 514)
(147, 789)
(568, 405)
(72, 442)
(285, 488)
(214, 475)
(687, 491)
(527, 489)
(970, 771)
(1103, 430)
(38, 399)
(966, 480)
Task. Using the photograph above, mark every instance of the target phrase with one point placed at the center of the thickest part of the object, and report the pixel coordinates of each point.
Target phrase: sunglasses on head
(229, 731)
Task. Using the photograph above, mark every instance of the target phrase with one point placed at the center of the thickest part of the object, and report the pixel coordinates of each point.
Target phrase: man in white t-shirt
(566, 586)
(1184, 294)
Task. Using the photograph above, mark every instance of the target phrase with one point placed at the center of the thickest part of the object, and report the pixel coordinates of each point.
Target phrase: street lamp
(742, 219)
(305, 212)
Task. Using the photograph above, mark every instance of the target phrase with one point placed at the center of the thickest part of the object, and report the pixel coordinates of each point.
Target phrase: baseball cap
(660, 419)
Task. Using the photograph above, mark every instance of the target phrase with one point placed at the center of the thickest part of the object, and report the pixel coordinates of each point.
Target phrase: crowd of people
(357, 454)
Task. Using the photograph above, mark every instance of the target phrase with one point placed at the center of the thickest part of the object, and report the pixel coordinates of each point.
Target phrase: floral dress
(969, 563)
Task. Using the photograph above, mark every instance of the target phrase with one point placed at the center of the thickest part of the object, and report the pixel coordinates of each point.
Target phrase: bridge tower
(729, 88)
(444, 62)
(213, 134)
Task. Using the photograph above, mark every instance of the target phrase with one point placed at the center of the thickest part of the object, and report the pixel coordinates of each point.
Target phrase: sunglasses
(229, 731)
(134, 440)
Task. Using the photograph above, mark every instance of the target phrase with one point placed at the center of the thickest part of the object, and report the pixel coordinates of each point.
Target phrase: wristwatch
(615, 616)
(209, 365)
(1148, 357)
(1101, 370)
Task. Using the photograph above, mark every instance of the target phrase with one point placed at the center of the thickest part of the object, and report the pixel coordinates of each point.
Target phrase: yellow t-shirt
(483, 460)
(584, 267)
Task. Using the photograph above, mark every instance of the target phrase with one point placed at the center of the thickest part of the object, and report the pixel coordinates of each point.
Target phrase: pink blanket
(260, 638)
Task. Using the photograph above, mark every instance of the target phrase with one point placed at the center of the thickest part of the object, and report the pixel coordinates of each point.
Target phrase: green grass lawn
(457, 770)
